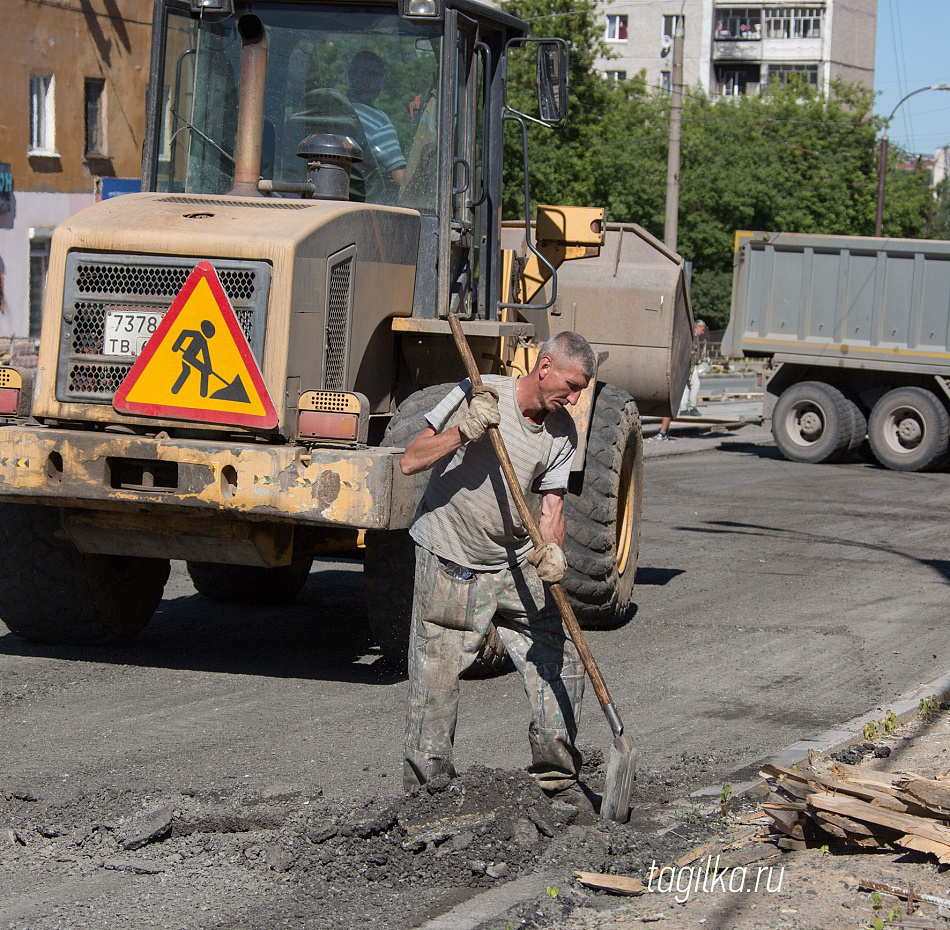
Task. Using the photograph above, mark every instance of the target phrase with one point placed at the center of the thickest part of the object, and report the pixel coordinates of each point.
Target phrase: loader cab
(418, 87)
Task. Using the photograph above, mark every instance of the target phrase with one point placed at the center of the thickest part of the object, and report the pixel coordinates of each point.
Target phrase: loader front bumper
(359, 488)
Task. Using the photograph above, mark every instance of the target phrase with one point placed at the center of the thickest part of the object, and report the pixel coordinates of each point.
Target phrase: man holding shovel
(475, 562)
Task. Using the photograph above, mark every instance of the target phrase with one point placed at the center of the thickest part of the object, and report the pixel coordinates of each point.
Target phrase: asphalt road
(773, 600)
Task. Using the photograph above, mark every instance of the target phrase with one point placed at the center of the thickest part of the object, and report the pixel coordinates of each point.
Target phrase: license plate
(127, 331)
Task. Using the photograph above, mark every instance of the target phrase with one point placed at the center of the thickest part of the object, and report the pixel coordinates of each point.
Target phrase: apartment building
(74, 74)
(731, 49)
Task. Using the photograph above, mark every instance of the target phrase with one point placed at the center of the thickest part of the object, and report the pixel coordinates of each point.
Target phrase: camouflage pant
(450, 618)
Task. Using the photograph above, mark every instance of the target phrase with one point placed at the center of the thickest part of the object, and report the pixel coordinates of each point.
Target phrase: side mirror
(544, 99)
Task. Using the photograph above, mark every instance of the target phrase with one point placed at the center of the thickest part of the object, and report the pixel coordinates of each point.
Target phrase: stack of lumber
(867, 809)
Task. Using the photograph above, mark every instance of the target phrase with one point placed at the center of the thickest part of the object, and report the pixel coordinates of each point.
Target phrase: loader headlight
(333, 416)
(213, 6)
(420, 9)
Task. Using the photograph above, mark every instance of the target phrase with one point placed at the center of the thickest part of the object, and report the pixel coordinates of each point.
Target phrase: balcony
(733, 49)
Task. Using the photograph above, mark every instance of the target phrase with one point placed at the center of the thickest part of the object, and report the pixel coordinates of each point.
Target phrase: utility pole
(882, 156)
(670, 229)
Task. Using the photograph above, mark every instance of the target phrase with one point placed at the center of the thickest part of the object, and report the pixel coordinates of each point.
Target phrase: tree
(789, 159)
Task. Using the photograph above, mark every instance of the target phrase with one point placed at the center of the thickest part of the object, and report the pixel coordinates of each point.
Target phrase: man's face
(560, 384)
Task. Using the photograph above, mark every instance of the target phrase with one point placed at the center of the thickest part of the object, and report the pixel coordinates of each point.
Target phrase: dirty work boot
(578, 796)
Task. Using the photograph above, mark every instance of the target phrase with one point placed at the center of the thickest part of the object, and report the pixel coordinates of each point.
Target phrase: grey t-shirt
(467, 514)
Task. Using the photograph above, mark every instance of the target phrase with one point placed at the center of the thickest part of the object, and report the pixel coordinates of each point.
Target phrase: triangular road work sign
(197, 364)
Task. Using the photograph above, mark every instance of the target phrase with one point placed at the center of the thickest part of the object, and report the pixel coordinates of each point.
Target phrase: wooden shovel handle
(557, 591)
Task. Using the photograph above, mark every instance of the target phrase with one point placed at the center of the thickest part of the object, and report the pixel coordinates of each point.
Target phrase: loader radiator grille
(96, 286)
(339, 302)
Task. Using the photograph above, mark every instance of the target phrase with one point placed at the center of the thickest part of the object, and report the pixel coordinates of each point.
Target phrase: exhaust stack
(250, 130)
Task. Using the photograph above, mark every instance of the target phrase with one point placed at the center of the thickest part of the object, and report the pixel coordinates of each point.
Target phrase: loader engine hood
(311, 284)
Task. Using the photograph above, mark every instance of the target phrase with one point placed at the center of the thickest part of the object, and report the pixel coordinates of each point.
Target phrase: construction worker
(475, 562)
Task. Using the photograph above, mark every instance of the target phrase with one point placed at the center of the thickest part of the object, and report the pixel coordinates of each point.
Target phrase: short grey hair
(571, 347)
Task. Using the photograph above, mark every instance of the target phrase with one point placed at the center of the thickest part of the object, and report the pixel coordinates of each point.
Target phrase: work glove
(482, 413)
(549, 561)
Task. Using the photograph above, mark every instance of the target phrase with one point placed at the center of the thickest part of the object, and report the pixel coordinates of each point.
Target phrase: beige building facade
(732, 48)
(75, 74)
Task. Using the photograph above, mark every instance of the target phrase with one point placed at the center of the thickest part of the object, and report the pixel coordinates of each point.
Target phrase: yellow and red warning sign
(197, 364)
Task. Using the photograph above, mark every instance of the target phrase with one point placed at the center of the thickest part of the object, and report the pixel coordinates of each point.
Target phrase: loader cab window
(354, 71)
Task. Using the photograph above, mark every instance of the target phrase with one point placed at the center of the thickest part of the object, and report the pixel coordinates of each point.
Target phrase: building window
(42, 121)
(95, 99)
(781, 73)
(669, 26)
(616, 28)
(793, 22)
(39, 265)
(615, 76)
(666, 82)
(738, 23)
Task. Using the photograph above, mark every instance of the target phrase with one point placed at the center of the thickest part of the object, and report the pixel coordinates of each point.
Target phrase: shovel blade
(621, 774)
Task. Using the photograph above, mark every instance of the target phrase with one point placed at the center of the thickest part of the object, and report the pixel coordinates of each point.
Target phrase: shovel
(622, 763)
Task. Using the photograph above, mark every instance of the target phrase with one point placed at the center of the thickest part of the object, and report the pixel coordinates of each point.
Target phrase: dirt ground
(239, 768)
(237, 857)
(812, 889)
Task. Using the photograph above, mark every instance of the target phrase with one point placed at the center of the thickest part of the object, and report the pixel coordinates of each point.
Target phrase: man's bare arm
(551, 523)
(428, 448)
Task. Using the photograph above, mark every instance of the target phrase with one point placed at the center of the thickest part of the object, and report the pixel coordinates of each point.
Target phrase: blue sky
(913, 50)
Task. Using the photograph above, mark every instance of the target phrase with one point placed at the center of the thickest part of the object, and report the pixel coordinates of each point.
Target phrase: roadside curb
(904, 708)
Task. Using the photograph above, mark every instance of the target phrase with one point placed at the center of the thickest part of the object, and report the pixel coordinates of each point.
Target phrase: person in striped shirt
(475, 562)
(366, 74)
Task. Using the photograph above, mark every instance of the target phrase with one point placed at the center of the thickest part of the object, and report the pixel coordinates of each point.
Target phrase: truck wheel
(250, 584)
(859, 428)
(603, 521)
(909, 430)
(813, 422)
(389, 564)
(55, 594)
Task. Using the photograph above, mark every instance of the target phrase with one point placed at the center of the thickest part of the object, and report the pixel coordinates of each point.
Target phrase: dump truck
(855, 334)
(232, 360)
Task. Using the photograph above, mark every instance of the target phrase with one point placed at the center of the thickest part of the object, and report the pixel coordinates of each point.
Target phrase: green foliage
(711, 292)
(928, 706)
(724, 797)
(788, 159)
(870, 730)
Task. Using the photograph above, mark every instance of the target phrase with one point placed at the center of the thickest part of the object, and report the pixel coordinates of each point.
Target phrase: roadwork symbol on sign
(197, 364)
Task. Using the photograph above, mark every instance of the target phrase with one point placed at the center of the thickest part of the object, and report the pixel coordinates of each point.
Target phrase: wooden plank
(930, 794)
(697, 853)
(746, 857)
(616, 884)
(786, 842)
(920, 844)
(789, 822)
(874, 814)
(802, 784)
(846, 823)
(830, 827)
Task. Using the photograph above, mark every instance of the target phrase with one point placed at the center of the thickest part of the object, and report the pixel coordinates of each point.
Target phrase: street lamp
(882, 156)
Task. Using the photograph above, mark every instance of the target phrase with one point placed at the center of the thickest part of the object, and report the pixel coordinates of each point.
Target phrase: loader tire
(603, 520)
(909, 430)
(250, 584)
(813, 422)
(389, 564)
(55, 594)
